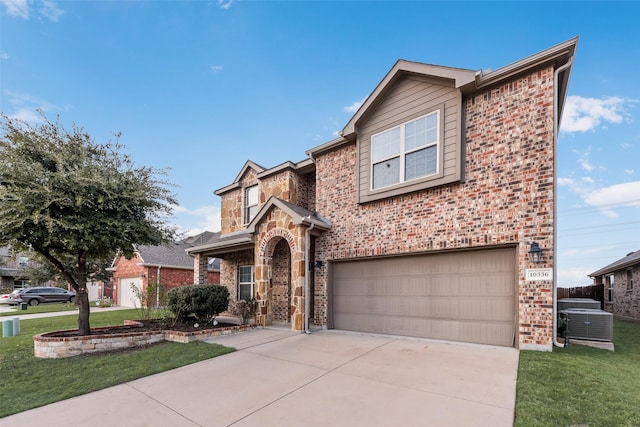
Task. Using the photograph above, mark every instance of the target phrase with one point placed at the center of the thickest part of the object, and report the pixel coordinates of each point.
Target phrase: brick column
(200, 268)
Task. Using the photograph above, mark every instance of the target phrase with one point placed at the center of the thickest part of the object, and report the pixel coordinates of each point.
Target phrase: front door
(281, 282)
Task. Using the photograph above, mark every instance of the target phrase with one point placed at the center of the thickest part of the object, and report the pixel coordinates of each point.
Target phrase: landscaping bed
(133, 334)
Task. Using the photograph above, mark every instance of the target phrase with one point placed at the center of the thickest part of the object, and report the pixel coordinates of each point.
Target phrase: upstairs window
(250, 203)
(406, 152)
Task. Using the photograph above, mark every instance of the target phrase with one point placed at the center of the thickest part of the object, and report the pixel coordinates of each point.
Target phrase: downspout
(158, 287)
(555, 205)
(307, 238)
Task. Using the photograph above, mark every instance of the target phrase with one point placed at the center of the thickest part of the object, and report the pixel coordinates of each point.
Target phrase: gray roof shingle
(629, 260)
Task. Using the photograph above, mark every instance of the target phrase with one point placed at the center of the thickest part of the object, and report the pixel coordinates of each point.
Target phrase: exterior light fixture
(319, 265)
(535, 253)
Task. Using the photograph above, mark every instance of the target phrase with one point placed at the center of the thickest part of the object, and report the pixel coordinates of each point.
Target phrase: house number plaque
(538, 274)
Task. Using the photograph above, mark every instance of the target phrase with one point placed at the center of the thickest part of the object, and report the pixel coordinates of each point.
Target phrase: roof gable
(447, 76)
(248, 165)
(298, 214)
(631, 259)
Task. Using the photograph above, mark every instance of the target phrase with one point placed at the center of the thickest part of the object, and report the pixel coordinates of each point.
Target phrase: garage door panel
(465, 296)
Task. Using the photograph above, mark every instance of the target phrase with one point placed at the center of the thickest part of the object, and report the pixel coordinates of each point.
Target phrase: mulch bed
(189, 325)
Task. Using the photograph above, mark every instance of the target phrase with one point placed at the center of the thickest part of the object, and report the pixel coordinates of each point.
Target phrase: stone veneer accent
(46, 346)
(506, 199)
(277, 225)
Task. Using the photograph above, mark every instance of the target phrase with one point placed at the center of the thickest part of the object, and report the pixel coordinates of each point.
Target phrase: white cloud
(565, 181)
(3, 55)
(626, 145)
(195, 221)
(607, 198)
(51, 10)
(24, 106)
(225, 4)
(584, 114)
(585, 163)
(216, 68)
(18, 8)
(569, 277)
(353, 107)
(588, 179)
(629, 171)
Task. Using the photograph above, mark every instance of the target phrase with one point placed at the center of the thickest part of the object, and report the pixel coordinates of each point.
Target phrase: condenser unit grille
(589, 324)
(567, 303)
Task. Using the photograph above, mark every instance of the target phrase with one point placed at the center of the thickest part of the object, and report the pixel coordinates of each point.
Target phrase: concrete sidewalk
(328, 378)
(24, 314)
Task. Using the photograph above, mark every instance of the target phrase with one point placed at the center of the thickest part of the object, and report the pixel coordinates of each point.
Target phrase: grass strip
(582, 385)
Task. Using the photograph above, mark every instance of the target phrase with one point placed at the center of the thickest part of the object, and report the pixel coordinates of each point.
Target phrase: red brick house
(621, 280)
(169, 263)
(421, 219)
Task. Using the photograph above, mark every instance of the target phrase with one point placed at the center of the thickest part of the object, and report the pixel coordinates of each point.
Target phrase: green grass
(582, 386)
(42, 308)
(27, 382)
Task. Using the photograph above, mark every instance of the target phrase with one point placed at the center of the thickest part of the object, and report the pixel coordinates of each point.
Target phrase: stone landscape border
(48, 346)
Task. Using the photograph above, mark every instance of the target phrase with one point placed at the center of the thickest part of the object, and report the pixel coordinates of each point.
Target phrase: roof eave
(560, 52)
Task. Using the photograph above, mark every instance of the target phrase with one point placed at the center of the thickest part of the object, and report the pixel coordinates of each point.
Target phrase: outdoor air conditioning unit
(567, 303)
(589, 324)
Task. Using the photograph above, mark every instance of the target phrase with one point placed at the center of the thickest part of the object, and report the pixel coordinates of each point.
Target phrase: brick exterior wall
(229, 270)
(506, 199)
(169, 277)
(626, 302)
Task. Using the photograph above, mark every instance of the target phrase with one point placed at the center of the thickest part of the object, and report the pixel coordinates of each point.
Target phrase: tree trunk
(82, 297)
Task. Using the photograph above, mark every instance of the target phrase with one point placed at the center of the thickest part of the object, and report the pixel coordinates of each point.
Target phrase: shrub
(204, 302)
(245, 309)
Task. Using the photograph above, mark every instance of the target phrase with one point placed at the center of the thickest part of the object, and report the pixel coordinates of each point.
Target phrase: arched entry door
(281, 282)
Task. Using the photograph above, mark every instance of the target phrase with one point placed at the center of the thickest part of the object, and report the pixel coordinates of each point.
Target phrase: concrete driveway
(328, 378)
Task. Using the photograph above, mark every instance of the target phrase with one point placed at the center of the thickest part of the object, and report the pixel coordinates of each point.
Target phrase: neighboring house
(621, 281)
(12, 269)
(418, 219)
(168, 263)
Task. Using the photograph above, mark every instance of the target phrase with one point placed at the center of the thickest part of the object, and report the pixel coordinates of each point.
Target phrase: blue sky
(202, 86)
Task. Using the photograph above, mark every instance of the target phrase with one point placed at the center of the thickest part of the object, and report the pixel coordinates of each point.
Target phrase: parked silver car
(35, 296)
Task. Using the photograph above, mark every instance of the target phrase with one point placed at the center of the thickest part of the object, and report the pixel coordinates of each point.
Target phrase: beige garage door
(461, 296)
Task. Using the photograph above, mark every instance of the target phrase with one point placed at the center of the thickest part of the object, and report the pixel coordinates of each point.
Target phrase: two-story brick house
(418, 219)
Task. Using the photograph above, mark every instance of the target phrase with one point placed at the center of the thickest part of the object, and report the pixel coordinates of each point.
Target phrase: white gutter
(555, 192)
(307, 234)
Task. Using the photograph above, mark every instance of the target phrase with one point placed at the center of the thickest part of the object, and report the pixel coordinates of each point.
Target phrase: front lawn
(27, 382)
(41, 308)
(582, 386)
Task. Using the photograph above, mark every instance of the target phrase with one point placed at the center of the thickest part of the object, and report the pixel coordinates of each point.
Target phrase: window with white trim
(250, 203)
(245, 282)
(609, 281)
(406, 152)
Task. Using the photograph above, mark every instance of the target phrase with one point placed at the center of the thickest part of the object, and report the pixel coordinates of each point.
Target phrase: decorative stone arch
(265, 248)
(269, 242)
